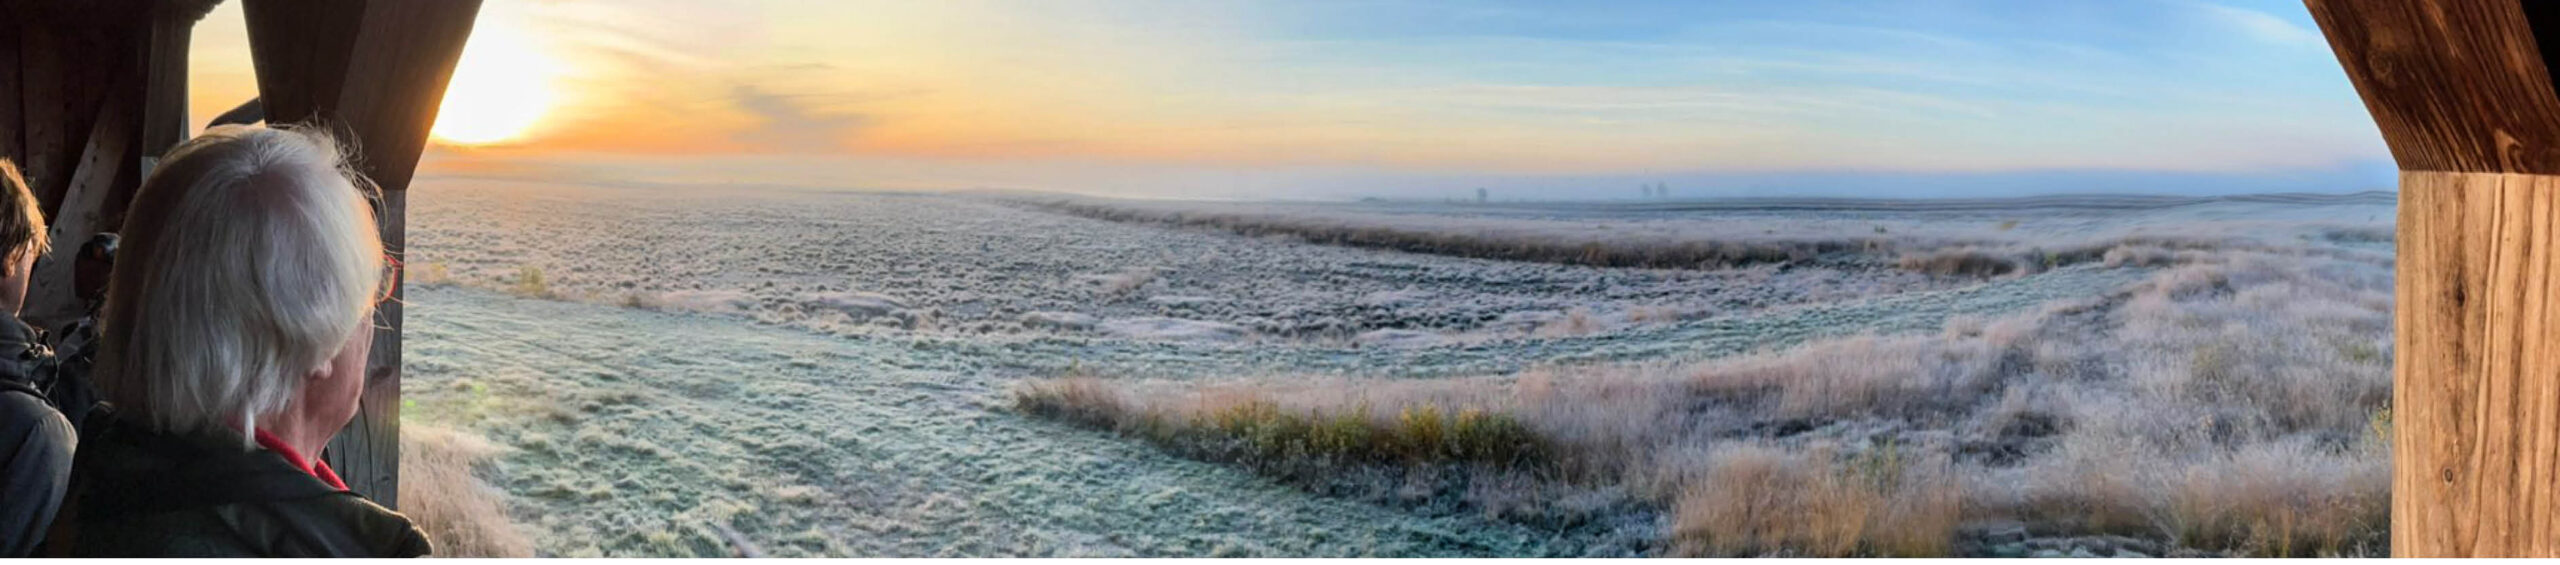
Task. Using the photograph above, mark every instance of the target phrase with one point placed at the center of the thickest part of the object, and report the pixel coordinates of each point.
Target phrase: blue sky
(1350, 98)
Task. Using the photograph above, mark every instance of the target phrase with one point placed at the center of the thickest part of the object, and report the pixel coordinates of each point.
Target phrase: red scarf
(315, 467)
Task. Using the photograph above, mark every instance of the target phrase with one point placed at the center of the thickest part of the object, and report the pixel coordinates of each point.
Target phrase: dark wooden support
(110, 164)
(374, 71)
(61, 66)
(140, 114)
(164, 67)
(71, 105)
(2465, 99)
(13, 83)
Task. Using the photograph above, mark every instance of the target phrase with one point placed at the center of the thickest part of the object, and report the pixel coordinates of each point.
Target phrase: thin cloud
(2263, 26)
(787, 124)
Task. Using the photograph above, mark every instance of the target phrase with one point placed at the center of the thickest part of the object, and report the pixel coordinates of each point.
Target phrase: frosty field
(694, 371)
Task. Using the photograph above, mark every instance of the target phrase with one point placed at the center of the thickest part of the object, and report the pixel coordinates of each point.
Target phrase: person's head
(22, 237)
(249, 270)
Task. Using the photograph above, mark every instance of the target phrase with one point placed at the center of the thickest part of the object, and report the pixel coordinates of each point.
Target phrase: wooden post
(110, 164)
(13, 82)
(140, 114)
(77, 78)
(164, 67)
(2464, 97)
(374, 71)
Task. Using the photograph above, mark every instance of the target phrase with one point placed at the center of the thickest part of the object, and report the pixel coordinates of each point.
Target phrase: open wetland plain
(673, 372)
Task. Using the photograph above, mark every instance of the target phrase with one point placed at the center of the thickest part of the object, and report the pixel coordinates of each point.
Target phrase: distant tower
(1480, 195)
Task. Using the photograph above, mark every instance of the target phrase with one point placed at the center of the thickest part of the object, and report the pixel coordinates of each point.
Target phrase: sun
(502, 87)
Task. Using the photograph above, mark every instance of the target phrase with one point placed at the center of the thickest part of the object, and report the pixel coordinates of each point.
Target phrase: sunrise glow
(1413, 98)
(504, 85)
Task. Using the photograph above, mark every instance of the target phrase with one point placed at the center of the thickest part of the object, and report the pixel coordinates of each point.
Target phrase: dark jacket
(35, 443)
(75, 351)
(139, 493)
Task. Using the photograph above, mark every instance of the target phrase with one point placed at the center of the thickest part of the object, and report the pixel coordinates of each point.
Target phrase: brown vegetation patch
(1999, 253)
(1757, 500)
(2225, 405)
(461, 516)
(1640, 252)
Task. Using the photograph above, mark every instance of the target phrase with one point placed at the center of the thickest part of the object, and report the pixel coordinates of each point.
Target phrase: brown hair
(22, 231)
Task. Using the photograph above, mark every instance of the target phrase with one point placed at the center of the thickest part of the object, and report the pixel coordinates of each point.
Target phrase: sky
(1333, 99)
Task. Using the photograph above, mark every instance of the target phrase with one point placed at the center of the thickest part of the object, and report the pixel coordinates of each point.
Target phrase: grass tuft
(530, 283)
(1758, 500)
(2229, 404)
(1256, 430)
(462, 516)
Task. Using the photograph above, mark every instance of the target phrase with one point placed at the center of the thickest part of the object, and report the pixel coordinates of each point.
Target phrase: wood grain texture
(2456, 85)
(109, 165)
(164, 63)
(2477, 393)
(377, 68)
(74, 99)
(2464, 98)
(375, 71)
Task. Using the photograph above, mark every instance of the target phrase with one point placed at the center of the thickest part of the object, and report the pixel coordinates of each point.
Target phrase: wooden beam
(109, 165)
(12, 83)
(375, 71)
(164, 63)
(2464, 98)
(2456, 85)
(73, 106)
(164, 123)
(2473, 403)
(374, 67)
(50, 108)
(140, 113)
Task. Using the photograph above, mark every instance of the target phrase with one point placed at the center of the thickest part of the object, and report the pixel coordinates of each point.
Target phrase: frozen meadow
(651, 371)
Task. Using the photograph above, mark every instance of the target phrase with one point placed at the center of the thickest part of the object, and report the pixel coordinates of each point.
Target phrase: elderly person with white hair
(231, 348)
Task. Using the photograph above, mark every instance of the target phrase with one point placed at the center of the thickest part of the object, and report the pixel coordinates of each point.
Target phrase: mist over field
(1348, 183)
(674, 371)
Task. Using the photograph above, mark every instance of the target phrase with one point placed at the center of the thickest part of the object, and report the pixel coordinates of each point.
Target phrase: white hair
(250, 256)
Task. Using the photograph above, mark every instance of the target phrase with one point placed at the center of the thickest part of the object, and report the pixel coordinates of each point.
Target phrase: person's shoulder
(332, 525)
(194, 532)
(165, 494)
(367, 529)
(27, 421)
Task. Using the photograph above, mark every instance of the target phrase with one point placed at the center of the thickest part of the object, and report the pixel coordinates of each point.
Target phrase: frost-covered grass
(1919, 239)
(967, 267)
(462, 516)
(2226, 404)
(843, 374)
(1508, 245)
(636, 433)
(1755, 499)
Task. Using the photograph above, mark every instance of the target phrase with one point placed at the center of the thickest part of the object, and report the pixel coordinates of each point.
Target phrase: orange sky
(964, 87)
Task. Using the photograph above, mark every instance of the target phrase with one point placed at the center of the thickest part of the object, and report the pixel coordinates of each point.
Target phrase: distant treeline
(2075, 202)
(1926, 253)
(1633, 252)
